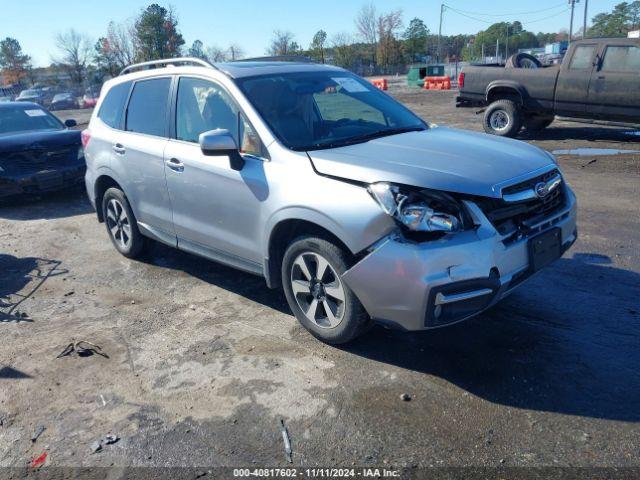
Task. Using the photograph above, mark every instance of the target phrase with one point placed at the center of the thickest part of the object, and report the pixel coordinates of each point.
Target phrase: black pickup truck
(598, 82)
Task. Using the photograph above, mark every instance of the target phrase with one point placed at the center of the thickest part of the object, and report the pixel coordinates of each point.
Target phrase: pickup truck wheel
(312, 270)
(503, 118)
(536, 124)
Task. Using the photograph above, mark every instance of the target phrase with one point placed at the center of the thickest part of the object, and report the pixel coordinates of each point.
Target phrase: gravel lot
(203, 361)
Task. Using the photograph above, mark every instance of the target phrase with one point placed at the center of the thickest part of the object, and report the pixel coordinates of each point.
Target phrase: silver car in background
(309, 176)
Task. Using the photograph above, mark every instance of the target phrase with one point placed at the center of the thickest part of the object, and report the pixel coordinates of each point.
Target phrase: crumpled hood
(39, 140)
(439, 158)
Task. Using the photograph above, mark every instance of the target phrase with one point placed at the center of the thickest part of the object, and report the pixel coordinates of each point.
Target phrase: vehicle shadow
(583, 132)
(566, 342)
(241, 283)
(53, 205)
(18, 274)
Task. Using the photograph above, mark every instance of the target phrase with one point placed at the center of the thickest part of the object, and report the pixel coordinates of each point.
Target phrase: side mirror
(221, 142)
(70, 123)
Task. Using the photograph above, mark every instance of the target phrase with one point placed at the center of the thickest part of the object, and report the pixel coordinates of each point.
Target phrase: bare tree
(235, 52)
(75, 53)
(343, 50)
(389, 51)
(367, 23)
(216, 54)
(282, 43)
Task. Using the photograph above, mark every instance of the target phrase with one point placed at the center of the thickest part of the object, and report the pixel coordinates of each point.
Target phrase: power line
(531, 12)
(489, 22)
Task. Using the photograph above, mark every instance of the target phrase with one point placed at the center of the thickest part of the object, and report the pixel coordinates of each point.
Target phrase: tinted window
(203, 106)
(582, 57)
(25, 119)
(622, 59)
(113, 105)
(147, 108)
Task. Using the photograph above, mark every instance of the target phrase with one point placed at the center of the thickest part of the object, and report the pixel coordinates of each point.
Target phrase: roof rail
(279, 58)
(166, 62)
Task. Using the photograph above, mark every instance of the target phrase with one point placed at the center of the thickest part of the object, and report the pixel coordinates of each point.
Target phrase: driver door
(216, 210)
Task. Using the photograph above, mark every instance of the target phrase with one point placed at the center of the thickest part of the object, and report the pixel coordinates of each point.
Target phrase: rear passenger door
(615, 88)
(572, 88)
(140, 155)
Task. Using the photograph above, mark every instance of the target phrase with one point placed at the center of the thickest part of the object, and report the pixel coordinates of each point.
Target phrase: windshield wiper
(367, 136)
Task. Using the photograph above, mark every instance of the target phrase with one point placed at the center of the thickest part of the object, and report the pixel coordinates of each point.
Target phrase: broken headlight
(419, 210)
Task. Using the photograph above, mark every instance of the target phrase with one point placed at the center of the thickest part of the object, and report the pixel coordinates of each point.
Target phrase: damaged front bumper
(416, 286)
(44, 181)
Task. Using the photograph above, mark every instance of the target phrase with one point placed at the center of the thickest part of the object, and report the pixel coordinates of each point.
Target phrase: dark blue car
(38, 153)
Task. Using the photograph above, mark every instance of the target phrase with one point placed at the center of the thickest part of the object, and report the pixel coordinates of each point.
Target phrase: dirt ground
(204, 361)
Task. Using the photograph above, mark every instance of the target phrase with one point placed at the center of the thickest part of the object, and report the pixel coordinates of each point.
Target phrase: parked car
(90, 98)
(327, 187)
(64, 101)
(598, 81)
(31, 95)
(38, 153)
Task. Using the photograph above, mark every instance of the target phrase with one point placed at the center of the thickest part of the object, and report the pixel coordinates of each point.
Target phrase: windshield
(20, 119)
(326, 109)
(29, 93)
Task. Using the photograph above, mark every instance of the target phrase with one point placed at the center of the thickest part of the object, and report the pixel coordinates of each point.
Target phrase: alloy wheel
(318, 290)
(118, 223)
(499, 120)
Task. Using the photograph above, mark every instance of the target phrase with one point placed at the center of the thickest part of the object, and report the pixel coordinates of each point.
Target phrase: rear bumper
(41, 182)
(416, 286)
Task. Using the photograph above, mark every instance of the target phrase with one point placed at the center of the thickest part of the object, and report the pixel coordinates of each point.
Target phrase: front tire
(121, 223)
(503, 118)
(312, 268)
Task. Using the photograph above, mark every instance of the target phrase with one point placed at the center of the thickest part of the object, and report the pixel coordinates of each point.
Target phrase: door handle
(175, 165)
(119, 149)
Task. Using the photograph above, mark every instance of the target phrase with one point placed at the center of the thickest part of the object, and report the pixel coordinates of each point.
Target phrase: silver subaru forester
(309, 176)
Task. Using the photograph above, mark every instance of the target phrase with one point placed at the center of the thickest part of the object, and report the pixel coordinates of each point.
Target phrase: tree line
(379, 43)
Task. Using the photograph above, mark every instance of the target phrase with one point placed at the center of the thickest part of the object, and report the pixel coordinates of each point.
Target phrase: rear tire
(121, 224)
(503, 118)
(325, 306)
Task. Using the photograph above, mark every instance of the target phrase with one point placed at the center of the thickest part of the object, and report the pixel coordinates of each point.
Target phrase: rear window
(147, 110)
(582, 57)
(621, 59)
(113, 105)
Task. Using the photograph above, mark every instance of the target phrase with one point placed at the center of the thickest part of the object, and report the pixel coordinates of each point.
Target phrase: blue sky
(250, 23)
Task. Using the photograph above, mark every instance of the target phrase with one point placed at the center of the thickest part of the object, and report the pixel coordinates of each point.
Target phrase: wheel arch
(104, 182)
(284, 229)
(505, 90)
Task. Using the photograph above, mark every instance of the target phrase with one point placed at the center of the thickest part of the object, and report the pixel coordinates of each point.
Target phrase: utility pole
(573, 6)
(440, 32)
(497, 50)
(584, 25)
(506, 47)
(483, 57)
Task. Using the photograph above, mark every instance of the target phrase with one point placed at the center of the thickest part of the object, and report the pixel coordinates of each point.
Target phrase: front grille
(39, 159)
(515, 219)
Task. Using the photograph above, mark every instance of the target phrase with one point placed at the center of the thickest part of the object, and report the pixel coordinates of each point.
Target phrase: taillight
(86, 136)
(461, 80)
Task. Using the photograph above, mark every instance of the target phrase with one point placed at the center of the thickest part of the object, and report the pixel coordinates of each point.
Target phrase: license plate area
(545, 249)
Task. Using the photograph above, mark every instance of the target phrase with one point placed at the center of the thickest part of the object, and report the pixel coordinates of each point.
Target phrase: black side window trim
(174, 112)
(123, 122)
